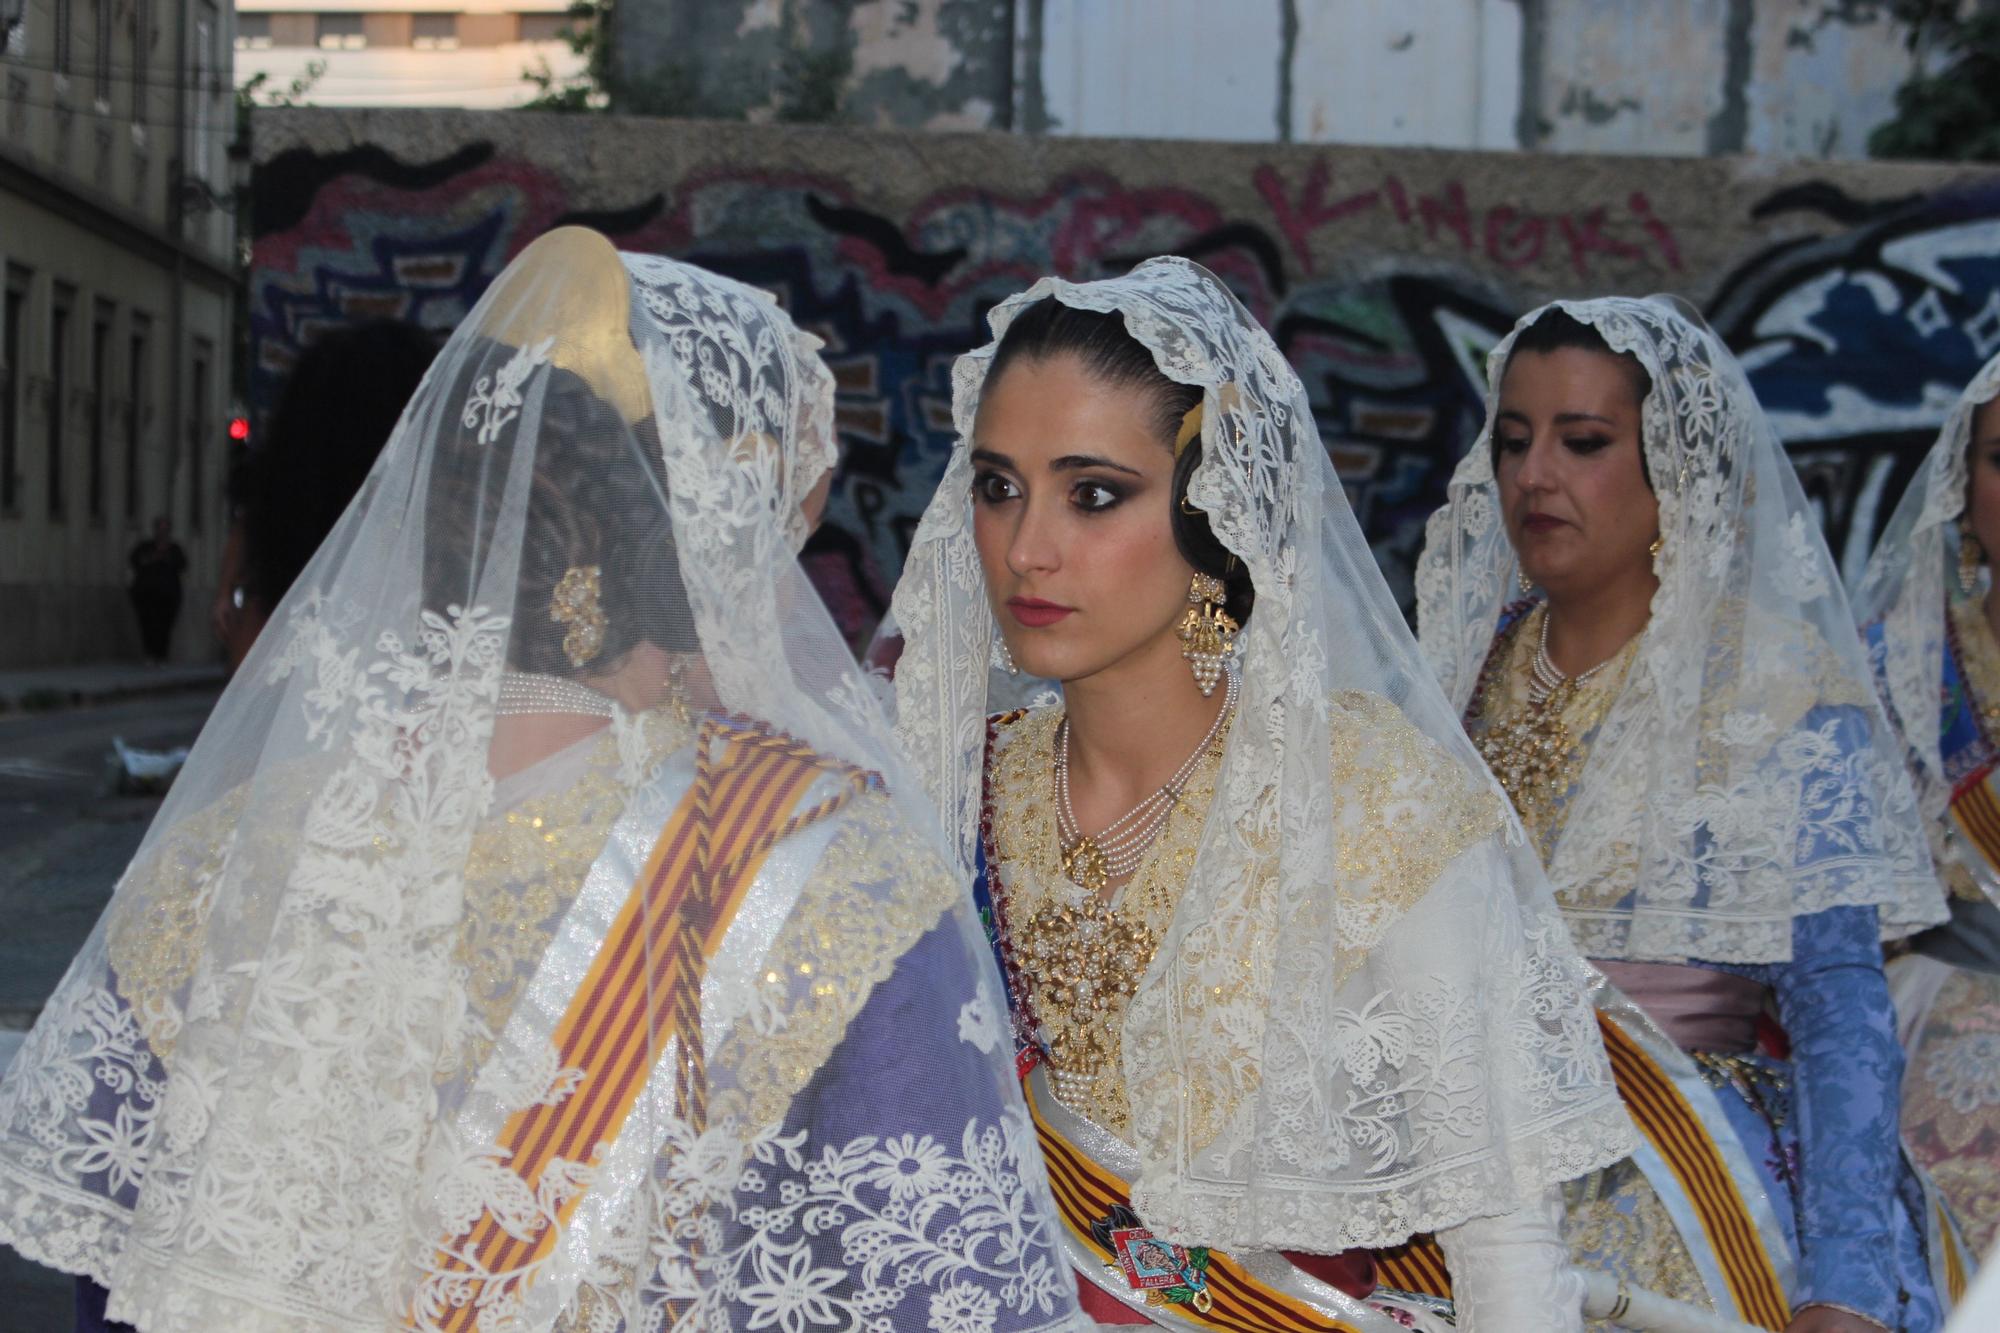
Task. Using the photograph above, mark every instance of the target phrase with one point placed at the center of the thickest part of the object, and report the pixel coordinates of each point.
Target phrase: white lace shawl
(260, 1119)
(1327, 1050)
(1911, 575)
(1745, 775)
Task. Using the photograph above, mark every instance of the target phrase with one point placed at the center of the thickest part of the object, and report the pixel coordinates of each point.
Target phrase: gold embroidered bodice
(1083, 954)
(1403, 810)
(1537, 750)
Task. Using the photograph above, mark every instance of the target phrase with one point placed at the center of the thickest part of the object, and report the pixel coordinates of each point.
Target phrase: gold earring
(1970, 557)
(1527, 584)
(575, 604)
(1002, 657)
(1207, 633)
(1658, 542)
(676, 700)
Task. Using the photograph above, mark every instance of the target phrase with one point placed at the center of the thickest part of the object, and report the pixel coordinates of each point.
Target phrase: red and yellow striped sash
(1975, 813)
(644, 985)
(1669, 1124)
(1417, 1265)
(1085, 1192)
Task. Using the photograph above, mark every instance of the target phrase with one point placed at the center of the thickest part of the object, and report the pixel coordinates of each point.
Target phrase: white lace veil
(267, 1096)
(1745, 774)
(1910, 577)
(1336, 1044)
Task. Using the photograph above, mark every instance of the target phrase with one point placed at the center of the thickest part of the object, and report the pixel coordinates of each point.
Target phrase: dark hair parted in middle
(1555, 330)
(1109, 353)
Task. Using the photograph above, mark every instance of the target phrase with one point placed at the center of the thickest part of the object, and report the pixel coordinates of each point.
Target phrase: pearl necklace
(1545, 677)
(533, 692)
(1092, 861)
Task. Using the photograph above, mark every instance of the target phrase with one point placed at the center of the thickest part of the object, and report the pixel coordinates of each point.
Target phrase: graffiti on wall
(1857, 342)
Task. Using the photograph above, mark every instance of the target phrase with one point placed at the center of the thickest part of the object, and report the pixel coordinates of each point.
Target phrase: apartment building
(405, 53)
(117, 251)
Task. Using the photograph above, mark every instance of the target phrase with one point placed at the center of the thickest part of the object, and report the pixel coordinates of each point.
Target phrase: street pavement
(64, 840)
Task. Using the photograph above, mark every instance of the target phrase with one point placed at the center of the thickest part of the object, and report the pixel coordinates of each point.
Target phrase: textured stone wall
(1862, 296)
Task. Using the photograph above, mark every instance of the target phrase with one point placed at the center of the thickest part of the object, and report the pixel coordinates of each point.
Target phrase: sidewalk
(43, 689)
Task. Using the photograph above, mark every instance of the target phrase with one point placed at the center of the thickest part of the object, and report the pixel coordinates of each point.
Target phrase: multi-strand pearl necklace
(1092, 861)
(533, 692)
(1545, 677)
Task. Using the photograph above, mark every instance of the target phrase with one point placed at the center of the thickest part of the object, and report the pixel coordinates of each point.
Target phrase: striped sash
(1975, 813)
(643, 987)
(1670, 1125)
(1417, 1265)
(1085, 1194)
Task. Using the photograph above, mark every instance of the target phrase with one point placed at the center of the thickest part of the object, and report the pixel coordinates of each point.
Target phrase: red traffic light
(239, 430)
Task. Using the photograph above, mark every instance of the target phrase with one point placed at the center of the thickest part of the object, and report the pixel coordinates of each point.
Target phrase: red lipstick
(1036, 613)
(1542, 523)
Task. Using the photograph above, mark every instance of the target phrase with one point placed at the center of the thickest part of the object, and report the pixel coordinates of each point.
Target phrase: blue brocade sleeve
(1847, 1072)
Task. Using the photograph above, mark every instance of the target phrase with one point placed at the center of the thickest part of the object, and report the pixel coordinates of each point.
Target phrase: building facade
(405, 53)
(1786, 78)
(117, 244)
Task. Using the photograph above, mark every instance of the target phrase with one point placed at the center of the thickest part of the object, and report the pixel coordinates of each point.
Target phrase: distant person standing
(334, 416)
(158, 564)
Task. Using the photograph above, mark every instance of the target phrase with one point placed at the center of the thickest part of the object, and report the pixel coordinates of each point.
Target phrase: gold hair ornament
(575, 604)
(1190, 430)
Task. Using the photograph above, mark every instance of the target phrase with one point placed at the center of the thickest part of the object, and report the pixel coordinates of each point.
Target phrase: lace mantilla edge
(1413, 813)
(1582, 1139)
(1764, 764)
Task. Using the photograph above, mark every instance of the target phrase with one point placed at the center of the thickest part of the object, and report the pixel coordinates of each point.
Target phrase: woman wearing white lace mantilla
(1285, 982)
(1930, 607)
(541, 936)
(1683, 718)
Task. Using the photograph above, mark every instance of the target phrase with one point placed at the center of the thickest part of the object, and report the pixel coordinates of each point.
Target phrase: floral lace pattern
(1951, 1101)
(1745, 775)
(348, 957)
(1280, 1049)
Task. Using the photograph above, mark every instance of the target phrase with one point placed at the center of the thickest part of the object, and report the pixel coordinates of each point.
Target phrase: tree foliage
(1949, 108)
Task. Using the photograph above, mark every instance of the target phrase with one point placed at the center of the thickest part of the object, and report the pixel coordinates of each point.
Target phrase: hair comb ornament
(575, 604)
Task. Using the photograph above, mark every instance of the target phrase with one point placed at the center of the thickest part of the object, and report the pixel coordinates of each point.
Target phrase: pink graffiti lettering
(1506, 235)
(1512, 240)
(1311, 211)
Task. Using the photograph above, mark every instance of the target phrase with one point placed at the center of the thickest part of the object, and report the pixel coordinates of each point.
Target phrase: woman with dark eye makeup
(1629, 598)
(1931, 612)
(1287, 984)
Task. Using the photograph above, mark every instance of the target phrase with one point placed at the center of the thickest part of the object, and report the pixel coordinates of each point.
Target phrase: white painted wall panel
(1438, 73)
(1180, 69)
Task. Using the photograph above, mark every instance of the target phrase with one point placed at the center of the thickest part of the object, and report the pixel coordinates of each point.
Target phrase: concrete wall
(1863, 296)
(1792, 78)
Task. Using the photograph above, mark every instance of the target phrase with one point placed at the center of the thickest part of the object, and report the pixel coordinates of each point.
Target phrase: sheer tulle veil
(284, 1084)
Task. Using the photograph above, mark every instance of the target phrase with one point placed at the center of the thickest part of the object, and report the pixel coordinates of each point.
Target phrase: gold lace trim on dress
(1403, 811)
(1537, 750)
(1082, 954)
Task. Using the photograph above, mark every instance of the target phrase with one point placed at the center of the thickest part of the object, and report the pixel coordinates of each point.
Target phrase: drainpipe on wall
(177, 233)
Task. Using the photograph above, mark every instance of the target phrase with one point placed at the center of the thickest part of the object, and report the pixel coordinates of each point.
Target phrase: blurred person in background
(1930, 609)
(158, 563)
